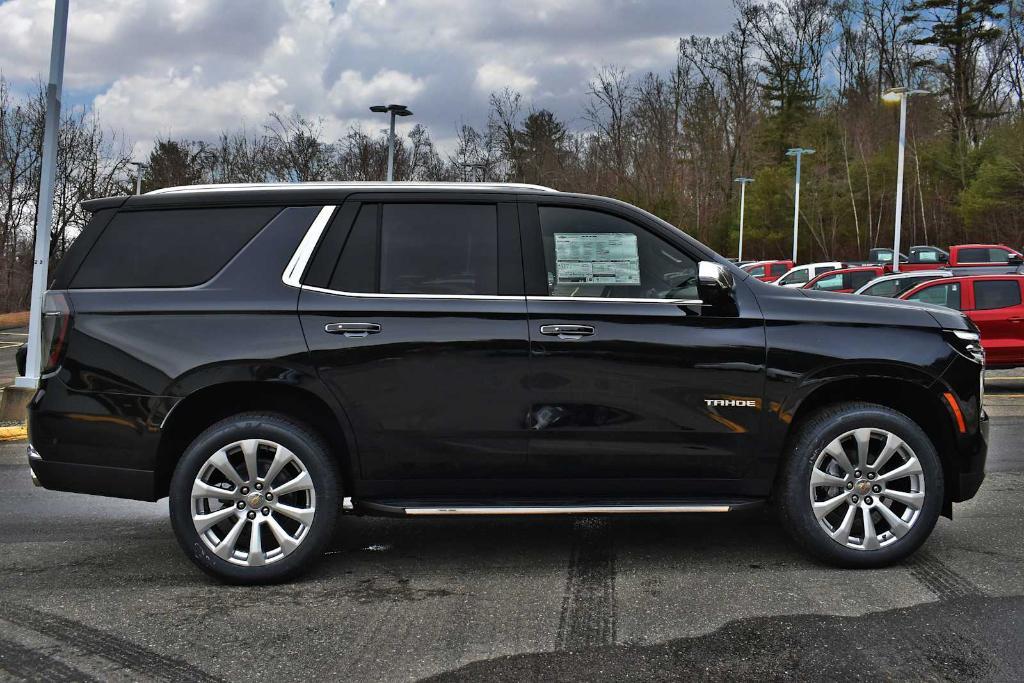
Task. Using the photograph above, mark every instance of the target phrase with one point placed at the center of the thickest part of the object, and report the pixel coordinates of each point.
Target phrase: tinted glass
(778, 269)
(886, 288)
(439, 249)
(795, 278)
(984, 255)
(757, 271)
(829, 282)
(824, 269)
(947, 295)
(989, 294)
(860, 278)
(170, 248)
(356, 270)
(593, 254)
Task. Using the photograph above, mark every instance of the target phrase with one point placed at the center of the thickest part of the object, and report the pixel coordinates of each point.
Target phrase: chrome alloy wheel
(253, 502)
(867, 488)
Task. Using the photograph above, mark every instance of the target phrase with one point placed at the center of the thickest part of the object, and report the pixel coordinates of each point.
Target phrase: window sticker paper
(609, 258)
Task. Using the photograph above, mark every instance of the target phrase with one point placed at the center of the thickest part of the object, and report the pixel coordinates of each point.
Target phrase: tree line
(788, 73)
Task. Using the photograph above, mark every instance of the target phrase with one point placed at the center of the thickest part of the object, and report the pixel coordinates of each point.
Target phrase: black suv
(269, 356)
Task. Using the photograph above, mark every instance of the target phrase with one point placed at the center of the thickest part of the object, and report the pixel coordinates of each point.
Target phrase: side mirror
(716, 286)
(716, 276)
(1015, 259)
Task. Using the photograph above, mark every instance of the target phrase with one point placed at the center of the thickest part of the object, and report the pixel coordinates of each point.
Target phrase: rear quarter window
(168, 248)
(989, 294)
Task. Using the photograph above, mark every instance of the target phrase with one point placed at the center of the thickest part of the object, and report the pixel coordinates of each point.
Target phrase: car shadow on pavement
(955, 640)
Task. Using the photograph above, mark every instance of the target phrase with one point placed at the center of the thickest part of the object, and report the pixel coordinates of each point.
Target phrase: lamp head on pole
(896, 95)
(396, 109)
(743, 180)
(797, 151)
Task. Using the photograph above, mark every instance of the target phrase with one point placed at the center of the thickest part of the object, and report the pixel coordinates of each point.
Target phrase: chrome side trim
(297, 265)
(620, 300)
(33, 454)
(497, 297)
(368, 295)
(564, 510)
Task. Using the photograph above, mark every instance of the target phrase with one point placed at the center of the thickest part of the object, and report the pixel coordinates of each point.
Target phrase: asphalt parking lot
(97, 588)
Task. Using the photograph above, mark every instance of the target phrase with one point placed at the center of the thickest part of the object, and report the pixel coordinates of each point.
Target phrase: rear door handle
(352, 329)
(567, 331)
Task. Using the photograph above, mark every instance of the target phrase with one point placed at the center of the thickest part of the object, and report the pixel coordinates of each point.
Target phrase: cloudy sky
(194, 67)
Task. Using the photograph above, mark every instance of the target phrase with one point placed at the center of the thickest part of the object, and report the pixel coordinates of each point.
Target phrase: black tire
(793, 487)
(315, 456)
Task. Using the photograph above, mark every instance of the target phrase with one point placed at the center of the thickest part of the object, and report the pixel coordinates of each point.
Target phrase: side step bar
(433, 509)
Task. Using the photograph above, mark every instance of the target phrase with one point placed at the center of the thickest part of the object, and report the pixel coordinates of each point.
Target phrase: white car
(801, 275)
(892, 286)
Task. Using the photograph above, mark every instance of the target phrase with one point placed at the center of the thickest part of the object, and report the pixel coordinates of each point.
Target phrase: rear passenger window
(989, 294)
(757, 271)
(420, 249)
(439, 249)
(987, 255)
(169, 248)
(778, 269)
(858, 280)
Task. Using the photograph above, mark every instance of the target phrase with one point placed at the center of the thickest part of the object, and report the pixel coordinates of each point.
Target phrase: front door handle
(567, 331)
(352, 329)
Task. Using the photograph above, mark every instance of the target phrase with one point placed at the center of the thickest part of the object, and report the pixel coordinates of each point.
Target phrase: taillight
(56, 326)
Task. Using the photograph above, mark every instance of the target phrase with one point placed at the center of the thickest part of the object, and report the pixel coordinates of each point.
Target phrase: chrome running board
(408, 508)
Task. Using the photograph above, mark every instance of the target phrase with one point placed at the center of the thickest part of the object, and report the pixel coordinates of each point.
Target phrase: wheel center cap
(254, 499)
(863, 487)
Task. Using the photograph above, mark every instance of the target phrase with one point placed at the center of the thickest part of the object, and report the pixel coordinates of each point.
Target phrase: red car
(965, 256)
(768, 271)
(846, 280)
(993, 303)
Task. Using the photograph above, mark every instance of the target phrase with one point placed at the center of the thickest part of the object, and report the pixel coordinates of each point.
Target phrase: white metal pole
(44, 208)
(138, 179)
(796, 206)
(743, 202)
(899, 185)
(391, 149)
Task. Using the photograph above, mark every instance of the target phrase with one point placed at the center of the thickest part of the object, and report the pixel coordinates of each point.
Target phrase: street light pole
(394, 110)
(797, 152)
(901, 95)
(44, 208)
(138, 175)
(743, 202)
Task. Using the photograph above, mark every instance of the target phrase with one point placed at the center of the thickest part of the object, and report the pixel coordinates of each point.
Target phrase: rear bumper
(117, 482)
(99, 443)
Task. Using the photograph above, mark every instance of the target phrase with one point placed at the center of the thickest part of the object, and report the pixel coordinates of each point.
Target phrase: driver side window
(594, 254)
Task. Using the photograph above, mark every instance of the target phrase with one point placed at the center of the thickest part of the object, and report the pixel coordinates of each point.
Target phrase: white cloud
(195, 67)
(493, 76)
(387, 86)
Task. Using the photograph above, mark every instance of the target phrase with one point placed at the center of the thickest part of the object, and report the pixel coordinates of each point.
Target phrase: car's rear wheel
(861, 487)
(254, 498)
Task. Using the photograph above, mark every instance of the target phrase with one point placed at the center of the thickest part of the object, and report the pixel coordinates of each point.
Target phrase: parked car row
(961, 279)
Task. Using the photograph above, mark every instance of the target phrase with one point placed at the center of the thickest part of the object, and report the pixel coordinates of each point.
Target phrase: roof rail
(353, 185)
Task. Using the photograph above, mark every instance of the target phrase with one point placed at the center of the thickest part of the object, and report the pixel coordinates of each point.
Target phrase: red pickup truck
(981, 256)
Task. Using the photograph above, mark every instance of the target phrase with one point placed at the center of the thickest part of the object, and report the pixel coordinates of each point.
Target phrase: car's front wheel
(861, 487)
(254, 498)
